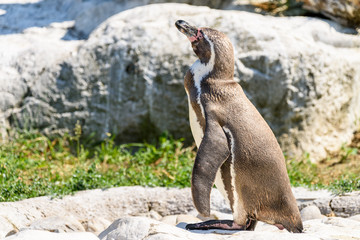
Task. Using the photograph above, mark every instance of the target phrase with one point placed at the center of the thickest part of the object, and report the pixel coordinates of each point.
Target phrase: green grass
(32, 165)
(339, 173)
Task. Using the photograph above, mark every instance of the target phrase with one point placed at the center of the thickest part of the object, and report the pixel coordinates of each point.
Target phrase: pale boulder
(58, 224)
(346, 206)
(310, 212)
(131, 228)
(343, 11)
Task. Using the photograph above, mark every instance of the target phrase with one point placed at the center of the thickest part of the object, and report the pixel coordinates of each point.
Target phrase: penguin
(237, 150)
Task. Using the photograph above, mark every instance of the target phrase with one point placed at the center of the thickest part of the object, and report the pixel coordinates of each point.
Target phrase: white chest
(196, 129)
(199, 71)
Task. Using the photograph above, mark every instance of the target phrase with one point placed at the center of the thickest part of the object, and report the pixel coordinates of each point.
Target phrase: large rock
(29, 62)
(347, 205)
(291, 74)
(127, 77)
(319, 198)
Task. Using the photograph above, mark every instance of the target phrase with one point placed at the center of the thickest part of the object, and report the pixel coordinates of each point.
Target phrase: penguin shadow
(182, 225)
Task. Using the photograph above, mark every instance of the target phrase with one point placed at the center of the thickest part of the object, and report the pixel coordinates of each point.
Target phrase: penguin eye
(200, 35)
(199, 40)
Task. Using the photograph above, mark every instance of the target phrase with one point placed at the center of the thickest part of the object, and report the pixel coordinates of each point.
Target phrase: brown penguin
(236, 148)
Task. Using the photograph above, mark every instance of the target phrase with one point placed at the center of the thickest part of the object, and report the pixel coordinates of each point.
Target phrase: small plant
(281, 7)
(344, 185)
(346, 152)
(78, 132)
(303, 172)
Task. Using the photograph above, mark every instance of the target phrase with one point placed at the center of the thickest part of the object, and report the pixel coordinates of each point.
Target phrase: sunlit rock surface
(162, 213)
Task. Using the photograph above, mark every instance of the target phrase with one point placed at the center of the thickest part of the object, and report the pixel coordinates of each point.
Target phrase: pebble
(310, 212)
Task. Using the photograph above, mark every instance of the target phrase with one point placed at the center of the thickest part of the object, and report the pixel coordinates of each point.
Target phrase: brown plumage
(235, 144)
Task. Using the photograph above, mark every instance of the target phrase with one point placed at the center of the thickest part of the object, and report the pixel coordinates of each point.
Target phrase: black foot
(215, 224)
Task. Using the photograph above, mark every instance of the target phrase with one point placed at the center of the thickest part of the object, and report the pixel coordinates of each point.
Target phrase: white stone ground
(161, 213)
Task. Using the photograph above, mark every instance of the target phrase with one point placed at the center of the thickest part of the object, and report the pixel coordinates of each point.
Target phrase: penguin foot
(216, 224)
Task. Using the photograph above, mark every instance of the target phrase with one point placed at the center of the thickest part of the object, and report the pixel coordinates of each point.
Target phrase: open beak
(189, 31)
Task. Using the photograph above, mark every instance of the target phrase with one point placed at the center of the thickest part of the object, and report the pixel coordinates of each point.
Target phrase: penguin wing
(212, 153)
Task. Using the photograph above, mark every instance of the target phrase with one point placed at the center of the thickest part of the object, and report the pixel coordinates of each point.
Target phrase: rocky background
(121, 71)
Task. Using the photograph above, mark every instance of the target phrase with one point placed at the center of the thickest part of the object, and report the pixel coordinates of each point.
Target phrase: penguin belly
(198, 134)
(195, 127)
(219, 183)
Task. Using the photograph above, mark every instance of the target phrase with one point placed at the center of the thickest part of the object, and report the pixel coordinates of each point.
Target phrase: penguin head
(208, 44)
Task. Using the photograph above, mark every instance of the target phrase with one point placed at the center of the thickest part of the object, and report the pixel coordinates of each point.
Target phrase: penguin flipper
(212, 153)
